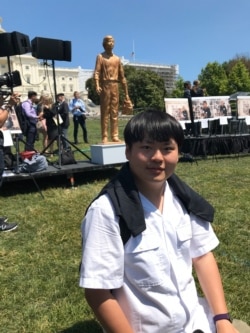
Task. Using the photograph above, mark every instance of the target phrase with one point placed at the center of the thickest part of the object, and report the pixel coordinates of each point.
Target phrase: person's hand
(98, 90)
(127, 102)
(12, 101)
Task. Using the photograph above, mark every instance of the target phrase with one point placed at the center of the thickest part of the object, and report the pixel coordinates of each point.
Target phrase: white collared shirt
(157, 291)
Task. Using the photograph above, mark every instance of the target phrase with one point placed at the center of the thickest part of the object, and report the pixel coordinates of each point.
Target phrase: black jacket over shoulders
(127, 205)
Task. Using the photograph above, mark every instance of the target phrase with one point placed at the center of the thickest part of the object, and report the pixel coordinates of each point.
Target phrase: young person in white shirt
(146, 285)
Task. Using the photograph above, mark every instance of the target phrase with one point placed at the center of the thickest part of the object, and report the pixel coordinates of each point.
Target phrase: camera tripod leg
(38, 188)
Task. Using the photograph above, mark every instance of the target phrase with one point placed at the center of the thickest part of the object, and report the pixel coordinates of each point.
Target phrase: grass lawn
(39, 262)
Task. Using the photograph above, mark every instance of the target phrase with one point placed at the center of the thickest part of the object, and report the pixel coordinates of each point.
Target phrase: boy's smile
(152, 162)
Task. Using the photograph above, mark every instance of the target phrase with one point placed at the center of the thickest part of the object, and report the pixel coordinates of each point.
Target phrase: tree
(179, 88)
(228, 65)
(146, 88)
(238, 78)
(92, 94)
(214, 79)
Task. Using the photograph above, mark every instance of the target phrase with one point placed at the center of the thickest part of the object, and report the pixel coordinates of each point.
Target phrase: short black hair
(60, 94)
(31, 94)
(155, 124)
(186, 84)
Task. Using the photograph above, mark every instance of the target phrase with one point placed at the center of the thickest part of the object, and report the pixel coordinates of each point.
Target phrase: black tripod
(59, 138)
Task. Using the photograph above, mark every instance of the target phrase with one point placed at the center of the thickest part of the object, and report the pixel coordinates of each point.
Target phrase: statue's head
(108, 42)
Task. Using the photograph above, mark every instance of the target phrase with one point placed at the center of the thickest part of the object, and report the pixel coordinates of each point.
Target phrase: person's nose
(157, 155)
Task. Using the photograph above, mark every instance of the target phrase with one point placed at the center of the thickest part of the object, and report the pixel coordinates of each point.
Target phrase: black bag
(67, 157)
(9, 160)
(83, 114)
(22, 119)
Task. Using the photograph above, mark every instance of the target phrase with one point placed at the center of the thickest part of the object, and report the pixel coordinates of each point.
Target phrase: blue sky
(187, 33)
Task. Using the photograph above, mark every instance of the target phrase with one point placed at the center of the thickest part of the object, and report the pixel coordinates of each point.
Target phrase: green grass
(39, 262)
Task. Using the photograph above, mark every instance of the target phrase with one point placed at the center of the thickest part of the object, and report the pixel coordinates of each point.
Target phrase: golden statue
(107, 76)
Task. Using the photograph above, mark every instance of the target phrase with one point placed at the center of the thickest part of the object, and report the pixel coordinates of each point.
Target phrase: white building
(169, 73)
(38, 76)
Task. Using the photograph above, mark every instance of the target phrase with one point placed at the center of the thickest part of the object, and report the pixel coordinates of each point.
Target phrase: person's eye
(145, 147)
(168, 148)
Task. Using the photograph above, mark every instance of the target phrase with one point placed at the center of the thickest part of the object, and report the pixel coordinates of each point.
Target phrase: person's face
(60, 98)
(76, 95)
(34, 98)
(109, 44)
(152, 162)
(46, 101)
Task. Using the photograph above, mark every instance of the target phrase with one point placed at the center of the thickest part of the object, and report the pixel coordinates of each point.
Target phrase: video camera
(10, 80)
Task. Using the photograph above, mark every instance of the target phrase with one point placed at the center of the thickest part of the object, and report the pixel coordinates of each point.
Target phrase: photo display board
(178, 108)
(211, 107)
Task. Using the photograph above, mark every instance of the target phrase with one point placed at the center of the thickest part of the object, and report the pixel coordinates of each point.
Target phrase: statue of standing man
(107, 76)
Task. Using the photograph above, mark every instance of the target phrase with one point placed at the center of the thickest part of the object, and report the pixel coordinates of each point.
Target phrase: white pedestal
(108, 153)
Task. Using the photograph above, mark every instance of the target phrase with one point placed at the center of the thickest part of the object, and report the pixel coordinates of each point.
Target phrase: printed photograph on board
(211, 107)
(243, 106)
(178, 108)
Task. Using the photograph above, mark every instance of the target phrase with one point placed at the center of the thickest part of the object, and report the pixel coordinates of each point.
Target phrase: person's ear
(127, 152)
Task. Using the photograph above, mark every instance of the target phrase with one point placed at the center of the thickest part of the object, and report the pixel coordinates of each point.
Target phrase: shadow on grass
(88, 326)
(57, 181)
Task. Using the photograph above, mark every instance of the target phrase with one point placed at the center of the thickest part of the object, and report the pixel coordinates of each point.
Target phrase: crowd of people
(40, 116)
